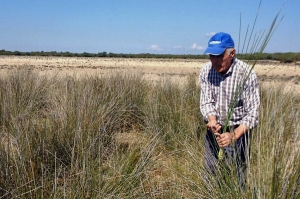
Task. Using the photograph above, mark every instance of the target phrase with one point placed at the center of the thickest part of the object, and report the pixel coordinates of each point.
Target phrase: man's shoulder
(206, 67)
(242, 63)
(243, 66)
(244, 69)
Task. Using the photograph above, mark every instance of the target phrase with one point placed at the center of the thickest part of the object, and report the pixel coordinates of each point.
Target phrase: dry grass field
(270, 72)
(88, 128)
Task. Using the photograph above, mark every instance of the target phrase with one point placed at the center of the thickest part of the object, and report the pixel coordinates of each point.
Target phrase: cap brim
(214, 51)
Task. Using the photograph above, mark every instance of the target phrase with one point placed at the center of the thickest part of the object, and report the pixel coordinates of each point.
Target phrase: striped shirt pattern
(220, 91)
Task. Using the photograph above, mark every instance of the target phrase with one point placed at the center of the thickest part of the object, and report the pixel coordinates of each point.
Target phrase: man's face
(221, 63)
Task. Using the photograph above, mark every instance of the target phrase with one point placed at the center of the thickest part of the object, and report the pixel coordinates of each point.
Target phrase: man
(229, 103)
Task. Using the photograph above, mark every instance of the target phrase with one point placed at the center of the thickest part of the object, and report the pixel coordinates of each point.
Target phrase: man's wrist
(212, 118)
(239, 131)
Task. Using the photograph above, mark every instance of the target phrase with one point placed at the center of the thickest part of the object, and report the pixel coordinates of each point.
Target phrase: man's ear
(232, 54)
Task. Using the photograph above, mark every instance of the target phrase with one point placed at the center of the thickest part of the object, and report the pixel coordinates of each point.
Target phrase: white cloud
(177, 47)
(210, 34)
(196, 47)
(155, 47)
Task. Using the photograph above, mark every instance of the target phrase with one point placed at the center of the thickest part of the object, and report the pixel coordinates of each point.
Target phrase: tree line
(287, 57)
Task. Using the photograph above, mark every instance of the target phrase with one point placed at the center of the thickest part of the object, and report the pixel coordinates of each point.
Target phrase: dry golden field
(270, 72)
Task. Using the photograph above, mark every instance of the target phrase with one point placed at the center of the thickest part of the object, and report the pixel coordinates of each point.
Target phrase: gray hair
(229, 50)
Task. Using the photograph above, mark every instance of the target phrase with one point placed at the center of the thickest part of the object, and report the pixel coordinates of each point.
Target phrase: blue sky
(140, 26)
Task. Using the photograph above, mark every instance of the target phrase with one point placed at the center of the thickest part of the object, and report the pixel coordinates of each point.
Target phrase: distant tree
(111, 54)
(85, 54)
(102, 54)
(68, 54)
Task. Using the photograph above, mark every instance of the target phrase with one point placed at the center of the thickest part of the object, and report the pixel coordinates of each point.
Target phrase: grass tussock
(120, 136)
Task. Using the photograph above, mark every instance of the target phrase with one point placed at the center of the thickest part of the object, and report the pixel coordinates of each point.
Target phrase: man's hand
(224, 139)
(213, 126)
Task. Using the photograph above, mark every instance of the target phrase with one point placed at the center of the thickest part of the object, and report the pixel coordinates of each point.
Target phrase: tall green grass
(120, 136)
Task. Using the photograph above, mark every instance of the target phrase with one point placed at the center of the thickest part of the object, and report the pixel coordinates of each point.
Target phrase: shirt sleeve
(252, 102)
(207, 102)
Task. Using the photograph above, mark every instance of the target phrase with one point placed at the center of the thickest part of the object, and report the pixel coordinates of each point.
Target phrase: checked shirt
(237, 88)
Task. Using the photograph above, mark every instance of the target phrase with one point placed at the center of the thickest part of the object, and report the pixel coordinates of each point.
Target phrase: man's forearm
(239, 131)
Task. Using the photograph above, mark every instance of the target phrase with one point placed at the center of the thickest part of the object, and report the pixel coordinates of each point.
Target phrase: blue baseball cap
(218, 44)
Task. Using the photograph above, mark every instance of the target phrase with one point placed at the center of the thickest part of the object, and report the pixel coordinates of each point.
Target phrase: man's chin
(218, 70)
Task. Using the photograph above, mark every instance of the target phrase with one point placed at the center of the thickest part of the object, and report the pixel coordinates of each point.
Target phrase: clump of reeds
(259, 43)
(65, 131)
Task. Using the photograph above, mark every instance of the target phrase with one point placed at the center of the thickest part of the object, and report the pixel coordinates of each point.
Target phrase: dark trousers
(236, 155)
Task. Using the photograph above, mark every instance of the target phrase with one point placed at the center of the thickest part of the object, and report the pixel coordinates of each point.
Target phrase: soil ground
(270, 72)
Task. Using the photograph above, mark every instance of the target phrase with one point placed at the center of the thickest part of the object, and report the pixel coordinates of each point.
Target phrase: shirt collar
(230, 70)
